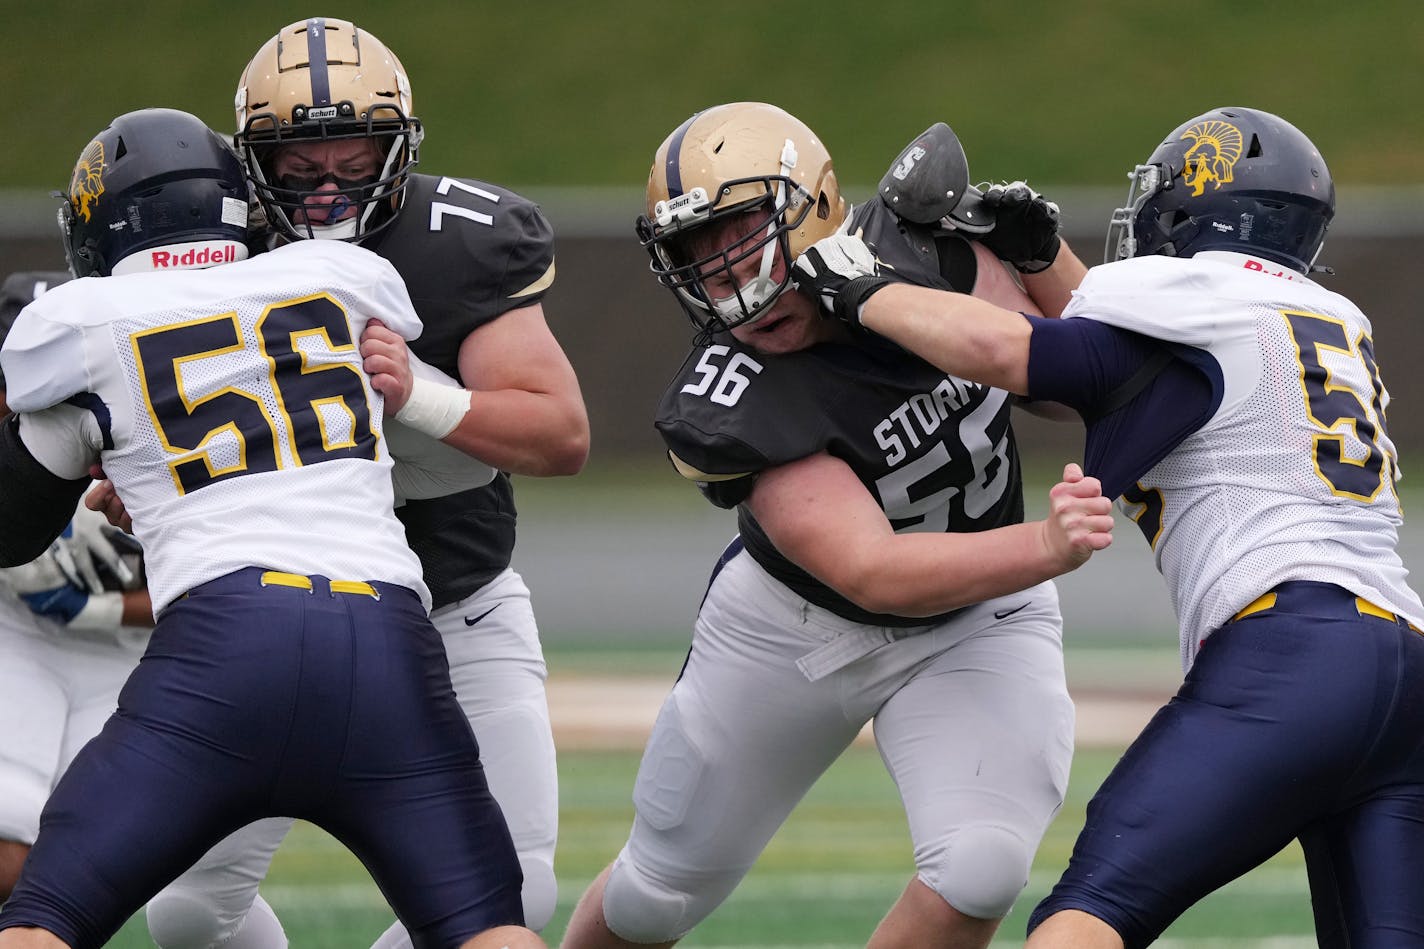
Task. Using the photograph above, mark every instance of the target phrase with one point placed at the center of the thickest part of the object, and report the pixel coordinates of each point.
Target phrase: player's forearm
(1052, 289)
(962, 335)
(138, 608)
(922, 574)
(528, 433)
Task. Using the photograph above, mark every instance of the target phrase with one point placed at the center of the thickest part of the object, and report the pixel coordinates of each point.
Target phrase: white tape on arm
(433, 408)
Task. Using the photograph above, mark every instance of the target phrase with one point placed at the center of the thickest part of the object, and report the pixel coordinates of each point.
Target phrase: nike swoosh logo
(471, 622)
(998, 614)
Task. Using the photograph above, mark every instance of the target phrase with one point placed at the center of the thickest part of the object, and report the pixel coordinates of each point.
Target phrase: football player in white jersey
(293, 669)
(1235, 408)
(883, 570)
(68, 640)
(73, 624)
(326, 128)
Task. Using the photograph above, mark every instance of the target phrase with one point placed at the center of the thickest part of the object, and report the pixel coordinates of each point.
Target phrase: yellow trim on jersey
(202, 450)
(307, 368)
(328, 443)
(543, 283)
(693, 474)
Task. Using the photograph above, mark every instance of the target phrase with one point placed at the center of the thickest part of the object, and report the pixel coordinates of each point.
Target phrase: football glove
(43, 586)
(90, 544)
(840, 273)
(1025, 227)
(67, 583)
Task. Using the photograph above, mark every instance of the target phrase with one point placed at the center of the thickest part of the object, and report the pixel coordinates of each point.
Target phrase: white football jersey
(1293, 477)
(233, 415)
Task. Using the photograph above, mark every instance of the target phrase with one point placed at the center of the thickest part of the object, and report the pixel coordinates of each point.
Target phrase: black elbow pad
(35, 504)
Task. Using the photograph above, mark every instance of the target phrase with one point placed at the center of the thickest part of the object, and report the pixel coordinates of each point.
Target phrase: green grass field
(825, 880)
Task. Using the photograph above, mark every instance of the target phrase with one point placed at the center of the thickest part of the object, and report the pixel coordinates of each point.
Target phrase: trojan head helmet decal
(1215, 149)
(88, 181)
(171, 189)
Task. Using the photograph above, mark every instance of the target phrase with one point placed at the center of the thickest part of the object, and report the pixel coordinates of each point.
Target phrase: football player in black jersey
(326, 128)
(883, 571)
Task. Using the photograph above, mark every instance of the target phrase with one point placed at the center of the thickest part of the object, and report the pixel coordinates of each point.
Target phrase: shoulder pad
(928, 183)
(20, 289)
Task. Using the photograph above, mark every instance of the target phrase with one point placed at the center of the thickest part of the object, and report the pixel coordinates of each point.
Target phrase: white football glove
(839, 272)
(63, 583)
(43, 586)
(88, 541)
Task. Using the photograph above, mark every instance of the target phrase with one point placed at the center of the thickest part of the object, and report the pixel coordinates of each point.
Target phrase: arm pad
(35, 505)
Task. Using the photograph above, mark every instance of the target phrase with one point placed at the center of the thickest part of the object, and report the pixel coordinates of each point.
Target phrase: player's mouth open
(768, 324)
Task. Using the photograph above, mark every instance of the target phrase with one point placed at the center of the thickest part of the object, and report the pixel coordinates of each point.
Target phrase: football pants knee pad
(981, 871)
(639, 909)
(191, 919)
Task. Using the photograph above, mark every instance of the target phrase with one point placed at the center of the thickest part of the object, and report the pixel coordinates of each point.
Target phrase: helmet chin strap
(761, 289)
(340, 231)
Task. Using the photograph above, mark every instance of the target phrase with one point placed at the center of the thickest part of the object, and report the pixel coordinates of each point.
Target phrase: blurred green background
(580, 94)
(567, 102)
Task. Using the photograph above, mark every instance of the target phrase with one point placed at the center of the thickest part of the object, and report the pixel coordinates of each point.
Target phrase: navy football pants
(1306, 721)
(257, 701)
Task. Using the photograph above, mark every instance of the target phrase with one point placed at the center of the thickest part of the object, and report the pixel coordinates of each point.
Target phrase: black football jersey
(468, 251)
(17, 291)
(936, 451)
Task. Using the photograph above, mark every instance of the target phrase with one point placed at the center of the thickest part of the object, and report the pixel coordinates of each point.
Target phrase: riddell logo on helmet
(201, 256)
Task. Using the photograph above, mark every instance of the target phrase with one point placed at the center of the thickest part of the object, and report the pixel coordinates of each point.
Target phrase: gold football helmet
(743, 158)
(321, 80)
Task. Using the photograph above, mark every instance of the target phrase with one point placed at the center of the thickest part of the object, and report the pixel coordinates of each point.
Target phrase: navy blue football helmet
(1231, 179)
(157, 181)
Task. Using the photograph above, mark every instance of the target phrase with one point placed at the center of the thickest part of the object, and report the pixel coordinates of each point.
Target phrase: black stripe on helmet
(316, 62)
(674, 167)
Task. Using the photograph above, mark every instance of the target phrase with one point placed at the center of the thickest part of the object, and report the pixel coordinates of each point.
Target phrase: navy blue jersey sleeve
(1085, 365)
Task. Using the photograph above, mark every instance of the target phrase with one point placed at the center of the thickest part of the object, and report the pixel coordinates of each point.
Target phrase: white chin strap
(756, 294)
(340, 231)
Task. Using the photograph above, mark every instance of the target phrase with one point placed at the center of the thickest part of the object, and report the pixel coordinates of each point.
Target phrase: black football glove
(1025, 226)
(840, 273)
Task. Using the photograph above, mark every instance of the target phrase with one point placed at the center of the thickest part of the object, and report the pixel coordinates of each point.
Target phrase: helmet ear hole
(1254, 150)
(823, 207)
(1171, 219)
